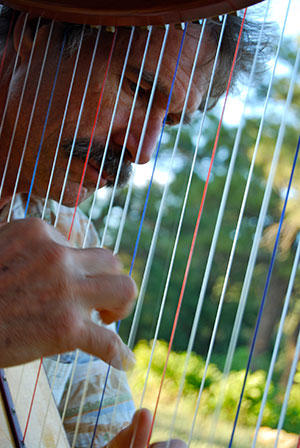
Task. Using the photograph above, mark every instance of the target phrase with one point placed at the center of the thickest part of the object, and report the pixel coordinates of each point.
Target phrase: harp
(237, 257)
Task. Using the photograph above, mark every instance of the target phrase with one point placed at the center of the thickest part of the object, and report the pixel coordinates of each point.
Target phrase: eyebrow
(148, 77)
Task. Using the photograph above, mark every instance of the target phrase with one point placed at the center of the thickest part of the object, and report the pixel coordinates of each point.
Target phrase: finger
(138, 430)
(95, 261)
(107, 345)
(108, 292)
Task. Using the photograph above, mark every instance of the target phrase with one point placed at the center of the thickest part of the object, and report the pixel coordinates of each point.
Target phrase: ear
(24, 31)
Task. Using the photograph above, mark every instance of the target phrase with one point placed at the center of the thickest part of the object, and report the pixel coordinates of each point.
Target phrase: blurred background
(210, 428)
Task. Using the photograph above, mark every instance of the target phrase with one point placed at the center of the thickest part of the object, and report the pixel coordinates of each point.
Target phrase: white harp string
(182, 213)
(63, 120)
(45, 207)
(13, 73)
(82, 401)
(109, 133)
(161, 210)
(216, 236)
(288, 390)
(136, 93)
(78, 123)
(257, 238)
(88, 226)
(30, 122)
(150, 256)
(19, 106)
(277, 342)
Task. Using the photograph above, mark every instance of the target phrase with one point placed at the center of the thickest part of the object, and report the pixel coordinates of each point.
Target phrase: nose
(136, 142)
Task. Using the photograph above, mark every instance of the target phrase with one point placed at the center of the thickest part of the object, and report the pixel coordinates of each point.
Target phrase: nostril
(128, 156)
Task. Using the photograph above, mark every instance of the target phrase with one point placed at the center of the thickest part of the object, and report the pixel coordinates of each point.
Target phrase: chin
(70, 198)
(70, 193)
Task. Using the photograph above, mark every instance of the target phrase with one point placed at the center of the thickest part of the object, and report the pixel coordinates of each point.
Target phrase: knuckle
(55, 254)
(67, 329)
(36, 228)
(112, 260)
(113, 346)
(128, 289)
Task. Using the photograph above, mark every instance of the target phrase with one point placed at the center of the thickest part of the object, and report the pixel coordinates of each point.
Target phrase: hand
(139, 429)
(47, 293)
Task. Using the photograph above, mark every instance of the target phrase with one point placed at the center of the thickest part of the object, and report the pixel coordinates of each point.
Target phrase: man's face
(78, 127)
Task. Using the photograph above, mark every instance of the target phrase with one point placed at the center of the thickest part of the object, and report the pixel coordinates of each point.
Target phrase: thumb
(136, 434)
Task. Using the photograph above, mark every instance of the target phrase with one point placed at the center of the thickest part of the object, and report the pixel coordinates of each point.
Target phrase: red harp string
(196, 231)
(77, 202)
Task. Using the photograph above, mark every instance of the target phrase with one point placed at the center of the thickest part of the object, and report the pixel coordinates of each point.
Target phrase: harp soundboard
(209, 229)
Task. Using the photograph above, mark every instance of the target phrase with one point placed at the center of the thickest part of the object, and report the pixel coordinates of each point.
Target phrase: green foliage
(213, 387)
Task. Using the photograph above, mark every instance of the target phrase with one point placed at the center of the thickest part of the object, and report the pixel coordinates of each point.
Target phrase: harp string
(228, 270)
(257, 236)
(145, 205)
(109, 132)
(99, 177)
(186, 273)
(128, 195)
(78, 123)
(214, 243)
(78, 52)
(141, 141)
(90, 216)
(10, 84)
(29, 125)
(10, 148)
(93, 130)
(82, 401)
(287, 392)
(29, 196)
(6, 42)
(23, 152)
(289, 290)
(277, 342)
(136, 93)
(78, 195)
(51, 388)
(265, 293)
(45, 207)
(20, 101)
(162, 204)
(160, 212)
(157, 152)
(182, 212)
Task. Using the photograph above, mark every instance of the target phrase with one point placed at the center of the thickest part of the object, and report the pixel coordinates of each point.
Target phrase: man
(49, 289)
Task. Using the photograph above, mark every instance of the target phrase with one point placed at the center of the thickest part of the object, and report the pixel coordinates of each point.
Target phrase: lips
(92, 174)
(105, 176)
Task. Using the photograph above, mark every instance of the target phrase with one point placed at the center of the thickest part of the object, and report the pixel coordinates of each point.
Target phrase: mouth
(105, 176)
(110, 167)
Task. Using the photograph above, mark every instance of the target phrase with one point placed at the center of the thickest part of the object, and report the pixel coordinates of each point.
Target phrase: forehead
(180, 50)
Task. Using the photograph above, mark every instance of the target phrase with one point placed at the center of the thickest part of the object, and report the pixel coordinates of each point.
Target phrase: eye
(133, 87)
(174, 119)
